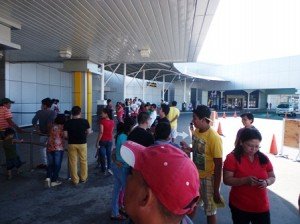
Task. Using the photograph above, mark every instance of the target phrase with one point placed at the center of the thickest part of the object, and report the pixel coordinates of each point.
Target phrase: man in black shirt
(140, 134)
(163, 112)
(76, 131)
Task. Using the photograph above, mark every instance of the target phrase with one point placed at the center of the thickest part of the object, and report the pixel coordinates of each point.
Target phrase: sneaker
(55, 183)
(47, 183)
(110, 171)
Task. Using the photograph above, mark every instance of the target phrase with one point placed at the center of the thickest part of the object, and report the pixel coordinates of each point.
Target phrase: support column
(163, 87)
(143, 87)
(77, 100)
(248, 97)
(101, 103)
(89, 96)
(102, 82)
(184, 91)
(3, 87)
(222, 100)
(124, 82)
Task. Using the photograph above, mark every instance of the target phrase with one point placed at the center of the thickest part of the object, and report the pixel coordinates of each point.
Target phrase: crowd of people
(155, 180)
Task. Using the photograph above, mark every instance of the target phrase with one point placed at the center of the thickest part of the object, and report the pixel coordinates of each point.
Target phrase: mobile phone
(191, 125)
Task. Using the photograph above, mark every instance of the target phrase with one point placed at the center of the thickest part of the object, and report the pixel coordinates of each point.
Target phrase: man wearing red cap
(163, 185)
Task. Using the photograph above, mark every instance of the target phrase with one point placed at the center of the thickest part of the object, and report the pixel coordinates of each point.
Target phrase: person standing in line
(55, 106)
(140, 134)
(207, 155)
(6, 117)
(249, 172)
(45, 117)
(247, 120)
(153, 114)
(104, 140)
(162, 134)
(110, 109)
(120, 112)
(162, 112)
(55, 151)
(76, 131)
(120, 169)
(173, 117)
(11, 155)
(127, 107)
(134, 109)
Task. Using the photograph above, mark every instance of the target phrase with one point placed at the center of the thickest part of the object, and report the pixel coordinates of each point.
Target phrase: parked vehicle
(286, 108)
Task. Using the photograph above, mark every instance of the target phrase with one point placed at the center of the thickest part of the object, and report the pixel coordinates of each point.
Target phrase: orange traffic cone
(234, 115)
(220, 132)
(224, 115)
(273, 148)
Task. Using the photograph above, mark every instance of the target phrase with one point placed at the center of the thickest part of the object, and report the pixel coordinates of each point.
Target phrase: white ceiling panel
(107, 30)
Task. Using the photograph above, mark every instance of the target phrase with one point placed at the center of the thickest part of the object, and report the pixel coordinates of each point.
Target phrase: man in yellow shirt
(173, 117)
(207, 156)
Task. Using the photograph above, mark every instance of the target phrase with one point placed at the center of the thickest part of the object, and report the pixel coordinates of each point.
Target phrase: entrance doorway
(235, 102)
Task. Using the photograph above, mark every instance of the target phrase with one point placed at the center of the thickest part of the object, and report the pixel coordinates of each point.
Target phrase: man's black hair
(202, 111)
(165, 108)
(174, 103)
(143, 117)
(60, 119)
(47, 102)
(162, 131)
(76, 110)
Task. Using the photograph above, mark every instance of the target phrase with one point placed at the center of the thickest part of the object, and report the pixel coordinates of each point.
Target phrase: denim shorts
(11, 163)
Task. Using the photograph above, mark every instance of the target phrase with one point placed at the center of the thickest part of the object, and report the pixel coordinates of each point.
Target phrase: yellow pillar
(77, 94)
(89, 97)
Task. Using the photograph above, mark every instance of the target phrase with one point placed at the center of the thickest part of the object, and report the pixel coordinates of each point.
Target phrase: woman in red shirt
(249, 172)
(120, 112)
(104, 140)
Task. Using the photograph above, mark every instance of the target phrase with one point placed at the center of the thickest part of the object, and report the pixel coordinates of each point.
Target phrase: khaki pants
(74, 151)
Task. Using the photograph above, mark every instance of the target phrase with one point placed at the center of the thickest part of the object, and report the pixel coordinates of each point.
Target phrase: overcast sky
(250, 30)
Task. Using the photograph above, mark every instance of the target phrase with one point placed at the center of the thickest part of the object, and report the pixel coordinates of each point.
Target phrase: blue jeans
(54, 164)
(120, 176)
(105, 151)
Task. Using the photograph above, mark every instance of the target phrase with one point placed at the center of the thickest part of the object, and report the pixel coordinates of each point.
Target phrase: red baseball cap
(168, 171)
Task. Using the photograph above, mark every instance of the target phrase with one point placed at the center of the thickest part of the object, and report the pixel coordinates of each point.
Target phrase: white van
(285, 108)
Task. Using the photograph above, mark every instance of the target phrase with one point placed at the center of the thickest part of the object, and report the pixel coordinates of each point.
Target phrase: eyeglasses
(253, 146)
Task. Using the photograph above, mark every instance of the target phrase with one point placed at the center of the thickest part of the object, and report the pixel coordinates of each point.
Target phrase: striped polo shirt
(4, 114)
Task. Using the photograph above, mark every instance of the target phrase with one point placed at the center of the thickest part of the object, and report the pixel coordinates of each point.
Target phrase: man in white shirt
(153, 114)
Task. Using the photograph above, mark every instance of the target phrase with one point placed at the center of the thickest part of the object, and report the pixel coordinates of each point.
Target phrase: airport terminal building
(45, 58)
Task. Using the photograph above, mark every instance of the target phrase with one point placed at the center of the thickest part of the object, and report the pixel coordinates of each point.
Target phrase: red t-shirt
(108, 128)
(120, 112)
(248, 198)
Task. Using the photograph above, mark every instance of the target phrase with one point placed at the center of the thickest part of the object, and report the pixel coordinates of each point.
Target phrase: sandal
(118, 217)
